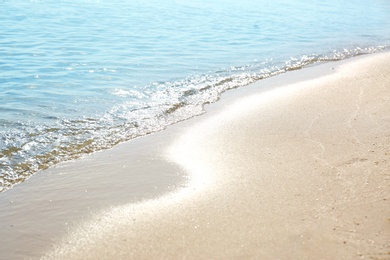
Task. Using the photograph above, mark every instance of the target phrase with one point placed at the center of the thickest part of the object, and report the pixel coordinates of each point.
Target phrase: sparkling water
(81, 76)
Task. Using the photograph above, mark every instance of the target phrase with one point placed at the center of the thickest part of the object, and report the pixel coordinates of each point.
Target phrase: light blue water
(81, 76)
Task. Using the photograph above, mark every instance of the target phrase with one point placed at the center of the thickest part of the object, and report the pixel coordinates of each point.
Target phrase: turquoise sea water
(81, 76)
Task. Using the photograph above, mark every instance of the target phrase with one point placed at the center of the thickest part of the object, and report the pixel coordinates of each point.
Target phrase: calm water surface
(81, 76)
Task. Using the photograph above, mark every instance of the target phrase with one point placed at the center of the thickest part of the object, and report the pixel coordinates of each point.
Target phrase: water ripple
(81, 76)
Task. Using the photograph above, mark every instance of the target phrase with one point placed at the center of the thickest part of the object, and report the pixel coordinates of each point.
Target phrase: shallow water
(81, 76)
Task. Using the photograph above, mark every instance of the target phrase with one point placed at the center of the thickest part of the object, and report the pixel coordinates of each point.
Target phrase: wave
(28, 147)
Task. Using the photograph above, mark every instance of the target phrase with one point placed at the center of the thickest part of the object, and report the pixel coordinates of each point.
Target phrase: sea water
(79, 76)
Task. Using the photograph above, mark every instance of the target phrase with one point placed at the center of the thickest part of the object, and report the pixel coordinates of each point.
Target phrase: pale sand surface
(39, 211)
(298, 170)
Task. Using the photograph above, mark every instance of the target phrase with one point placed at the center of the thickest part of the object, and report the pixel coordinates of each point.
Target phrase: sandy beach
(291, 167)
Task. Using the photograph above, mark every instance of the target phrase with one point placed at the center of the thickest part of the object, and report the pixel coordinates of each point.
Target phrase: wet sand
(294, 167)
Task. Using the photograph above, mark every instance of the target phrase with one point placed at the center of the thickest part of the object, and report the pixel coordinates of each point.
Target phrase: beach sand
(291, 167)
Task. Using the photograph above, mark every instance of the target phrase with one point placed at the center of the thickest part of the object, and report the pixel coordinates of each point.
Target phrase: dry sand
(299, 170)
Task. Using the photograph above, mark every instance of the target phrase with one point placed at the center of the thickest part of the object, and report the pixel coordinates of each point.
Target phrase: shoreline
(221, 212)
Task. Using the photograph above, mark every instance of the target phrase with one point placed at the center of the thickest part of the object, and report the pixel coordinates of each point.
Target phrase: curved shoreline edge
(300, 165)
